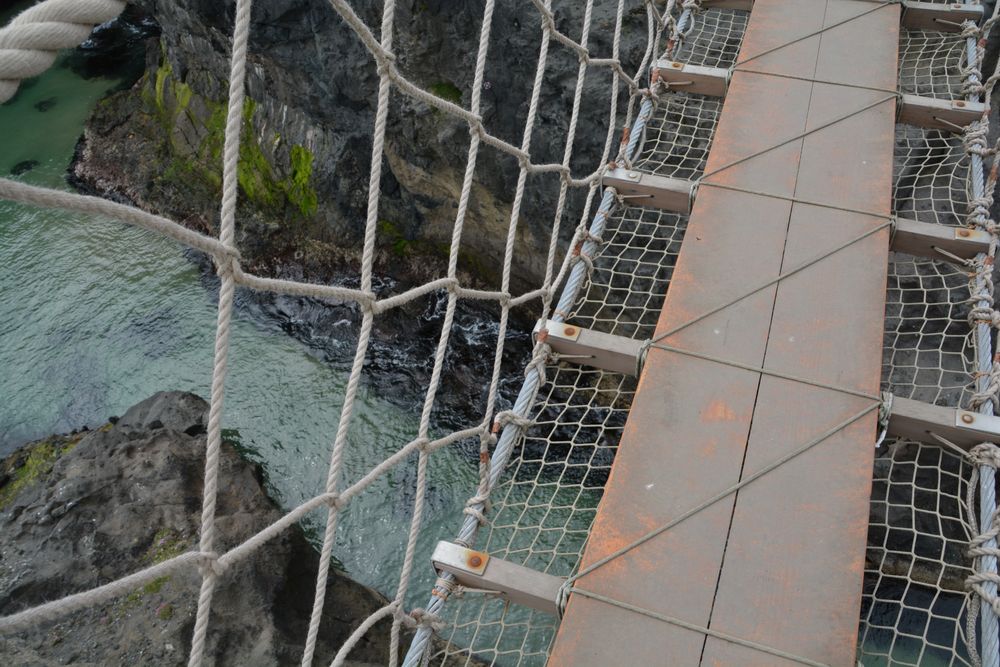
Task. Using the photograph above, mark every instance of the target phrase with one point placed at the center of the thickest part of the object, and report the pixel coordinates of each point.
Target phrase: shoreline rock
(307, 124)
(79, 510)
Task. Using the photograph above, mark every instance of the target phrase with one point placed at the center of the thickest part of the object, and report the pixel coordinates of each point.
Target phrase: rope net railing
(923, 586)
(545, 502)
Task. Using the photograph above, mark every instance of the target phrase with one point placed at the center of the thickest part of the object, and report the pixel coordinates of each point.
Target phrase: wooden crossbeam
(592, 348)
(933, 114)
(915, 420)
(642, 189)
(916, 15)
(711, 81)
(939, 17)
(925, 112)
(519, 584)
(923, 239)
(913, 237)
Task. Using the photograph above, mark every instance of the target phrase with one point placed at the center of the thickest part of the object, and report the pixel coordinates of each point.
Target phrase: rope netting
(930, 63)
(938, 348)
(915, 565)
(545, 503)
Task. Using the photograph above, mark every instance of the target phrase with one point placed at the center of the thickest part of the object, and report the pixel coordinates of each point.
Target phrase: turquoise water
(97, 315)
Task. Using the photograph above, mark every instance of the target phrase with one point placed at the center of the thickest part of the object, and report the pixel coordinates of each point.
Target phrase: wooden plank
(671, 194)
(595, 349)
(688, 425)
(915, 420)
(939, 17)
(795, 554)
(711, 81)
(932, 114)
(924, 239)
(476, 569)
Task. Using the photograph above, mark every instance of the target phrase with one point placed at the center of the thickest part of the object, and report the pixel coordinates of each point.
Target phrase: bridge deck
(779, 563)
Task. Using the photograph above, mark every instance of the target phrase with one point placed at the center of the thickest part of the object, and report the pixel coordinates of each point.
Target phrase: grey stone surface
(81, 510)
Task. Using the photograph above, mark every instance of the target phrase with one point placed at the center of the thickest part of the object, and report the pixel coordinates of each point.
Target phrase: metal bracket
(933, 114)
(586, 347)
(924, 239)
(915, 419)
(973, 421)
(519, 584)
(711, 81)
(642, 189)
(939, 17)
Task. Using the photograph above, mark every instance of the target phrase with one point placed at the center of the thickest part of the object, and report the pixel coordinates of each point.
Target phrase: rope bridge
(543, 463)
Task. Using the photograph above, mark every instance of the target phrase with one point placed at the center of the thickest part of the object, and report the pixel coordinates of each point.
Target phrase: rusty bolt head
(959, 103)
(967, 418)
(569, 331)
(475, 560)
(963, 232)
(676, 65)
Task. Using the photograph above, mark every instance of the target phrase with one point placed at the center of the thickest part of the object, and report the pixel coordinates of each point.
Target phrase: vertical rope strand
(227, 233)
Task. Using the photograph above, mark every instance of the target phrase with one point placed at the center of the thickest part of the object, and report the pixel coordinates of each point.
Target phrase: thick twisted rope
(983, 582)
(227, 236)
(30, 42)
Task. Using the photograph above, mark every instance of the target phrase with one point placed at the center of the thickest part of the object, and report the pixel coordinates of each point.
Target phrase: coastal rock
(80, 510)
(307, 129)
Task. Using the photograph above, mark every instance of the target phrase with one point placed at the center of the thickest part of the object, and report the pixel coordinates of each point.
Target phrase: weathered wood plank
(688, 426)
(795, 558)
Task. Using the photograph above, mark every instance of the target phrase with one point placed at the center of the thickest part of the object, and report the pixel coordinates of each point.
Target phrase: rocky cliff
(307, 130)
(80, 510)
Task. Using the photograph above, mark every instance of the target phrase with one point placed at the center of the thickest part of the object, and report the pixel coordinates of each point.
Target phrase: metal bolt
(475, 560)
(963, 232)
(633, 174)
(967, 418)
(676, 65)
(570, 331)
(959, 103)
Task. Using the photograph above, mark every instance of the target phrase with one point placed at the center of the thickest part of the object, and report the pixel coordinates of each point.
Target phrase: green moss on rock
(299, 188)
(31, 464)
(447, 90)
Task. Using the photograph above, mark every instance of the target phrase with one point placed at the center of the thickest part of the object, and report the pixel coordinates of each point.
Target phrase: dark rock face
(114, 45)
(81, 510)
(308, 123)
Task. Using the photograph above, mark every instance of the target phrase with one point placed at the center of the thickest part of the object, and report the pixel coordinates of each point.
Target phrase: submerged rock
(23, 167)
(78, 511)
(46, 104)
